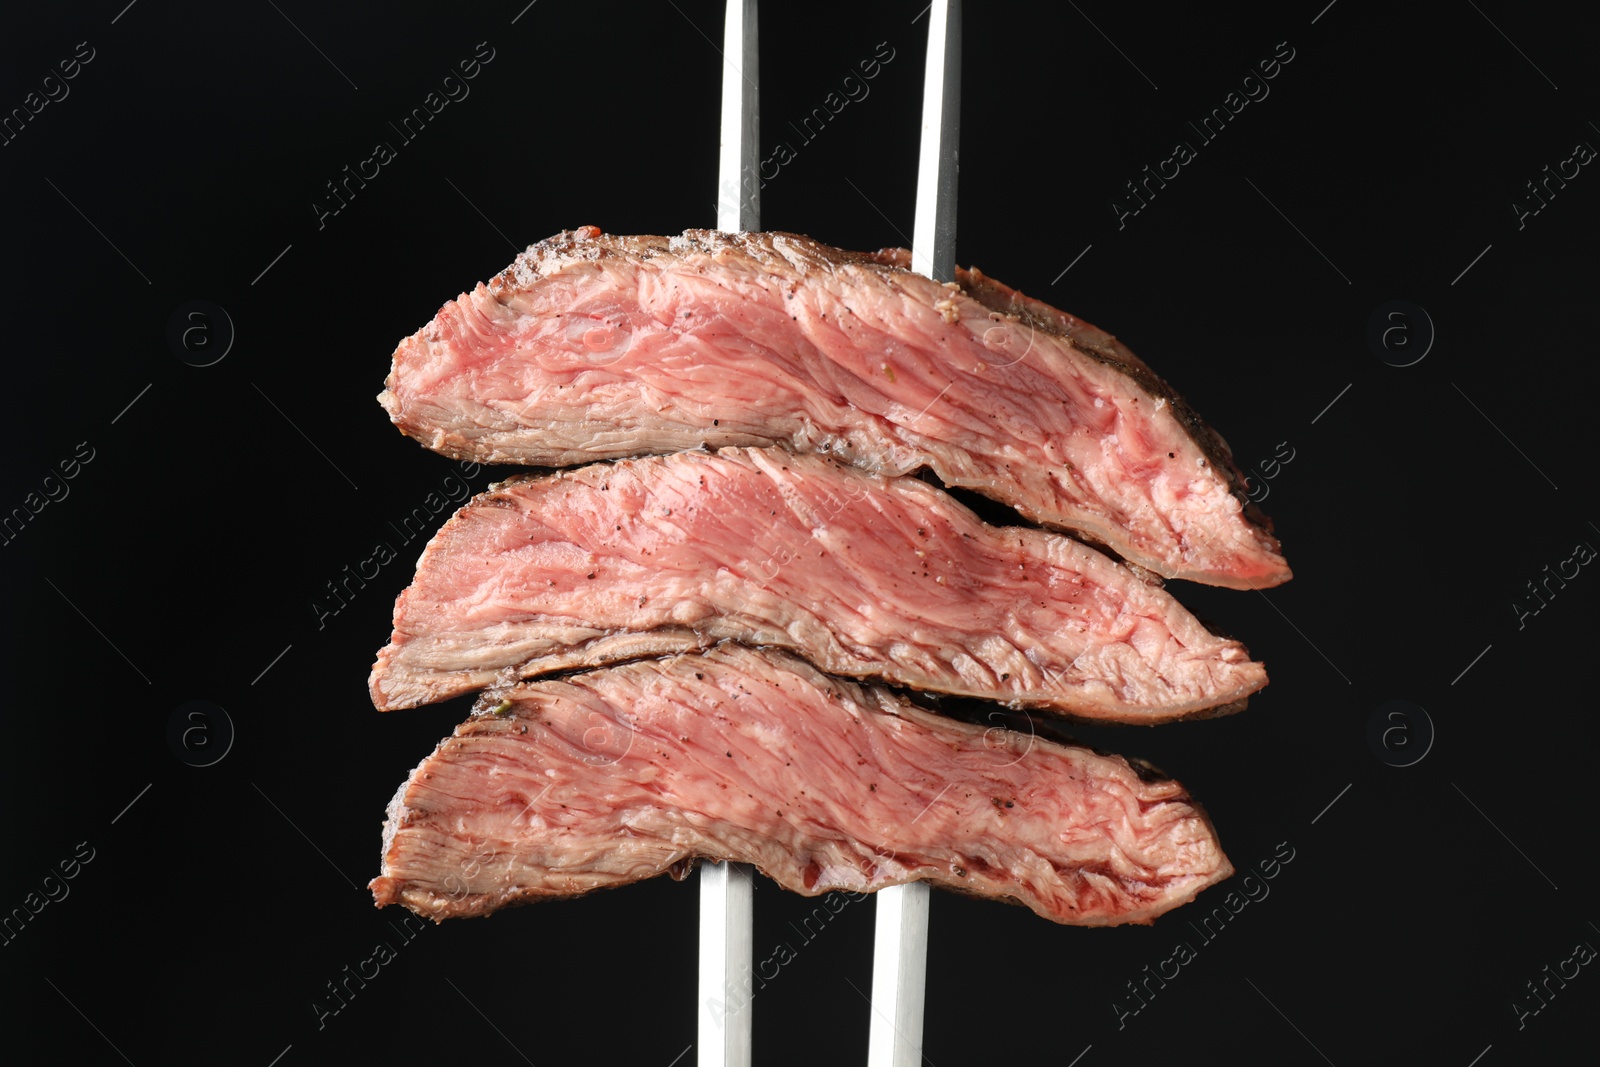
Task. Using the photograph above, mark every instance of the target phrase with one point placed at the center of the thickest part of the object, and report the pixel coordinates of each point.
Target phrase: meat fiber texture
(864, 575)
(557, 788)
(594, 347)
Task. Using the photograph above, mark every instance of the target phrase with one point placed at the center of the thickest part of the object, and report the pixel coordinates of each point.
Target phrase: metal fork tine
(727, 890)
(900, 941)
(933, 236)
(738, 193)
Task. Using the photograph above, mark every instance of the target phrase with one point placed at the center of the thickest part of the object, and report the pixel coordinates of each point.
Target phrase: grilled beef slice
(592, 346)
(866, 576)
(557, 788)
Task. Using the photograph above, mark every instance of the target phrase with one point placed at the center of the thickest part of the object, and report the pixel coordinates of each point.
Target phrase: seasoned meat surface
(591, 346)
(866, 576)
(557, 788)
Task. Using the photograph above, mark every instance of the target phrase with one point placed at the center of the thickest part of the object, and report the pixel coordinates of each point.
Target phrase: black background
(184, 563)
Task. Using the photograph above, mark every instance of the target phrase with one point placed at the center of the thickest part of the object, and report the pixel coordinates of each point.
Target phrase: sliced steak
(556, 788)
(864, 575)
(597, 347)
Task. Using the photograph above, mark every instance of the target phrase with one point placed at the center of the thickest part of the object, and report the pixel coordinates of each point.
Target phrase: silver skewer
(727, 890)
(900, 940)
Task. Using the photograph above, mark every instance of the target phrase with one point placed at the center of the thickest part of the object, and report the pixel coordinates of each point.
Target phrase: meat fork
(900, 941)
